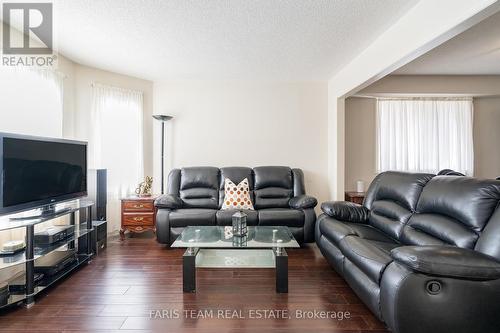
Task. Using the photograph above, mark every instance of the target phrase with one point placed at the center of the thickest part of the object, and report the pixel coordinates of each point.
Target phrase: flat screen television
(39, 172)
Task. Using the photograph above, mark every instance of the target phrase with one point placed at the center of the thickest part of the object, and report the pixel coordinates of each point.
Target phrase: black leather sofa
(195, 196)
(422, 252)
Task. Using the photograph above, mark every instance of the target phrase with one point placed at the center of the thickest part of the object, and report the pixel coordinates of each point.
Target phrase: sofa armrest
(168, 201)
(345, 211)
(303, 202)
(448, 261)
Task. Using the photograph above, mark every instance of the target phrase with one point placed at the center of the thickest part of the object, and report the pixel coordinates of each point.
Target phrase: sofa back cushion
(452, 210)
(236, 175)
(199, 187)
(203, 187)
(392, 199)
(273, 186)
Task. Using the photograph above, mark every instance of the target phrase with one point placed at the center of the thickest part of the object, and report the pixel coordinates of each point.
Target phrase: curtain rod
(93, 84)
(441, 98)
(416, 96)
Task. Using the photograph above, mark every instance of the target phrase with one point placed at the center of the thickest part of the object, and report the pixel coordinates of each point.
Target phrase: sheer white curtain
(31, 101)
(425, 134)
(116, 143)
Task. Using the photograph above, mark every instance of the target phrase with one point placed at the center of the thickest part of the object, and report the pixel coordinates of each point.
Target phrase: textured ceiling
(223, 39)
(474, 52)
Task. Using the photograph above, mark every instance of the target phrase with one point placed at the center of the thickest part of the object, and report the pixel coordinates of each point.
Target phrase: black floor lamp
(163, 118)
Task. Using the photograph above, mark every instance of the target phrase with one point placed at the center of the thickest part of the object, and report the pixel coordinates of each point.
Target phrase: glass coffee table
(216, 247)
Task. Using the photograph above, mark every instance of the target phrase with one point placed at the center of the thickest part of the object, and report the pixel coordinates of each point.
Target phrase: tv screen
(40, 171)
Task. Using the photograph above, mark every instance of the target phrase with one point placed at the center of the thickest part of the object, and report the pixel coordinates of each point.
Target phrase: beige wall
(361, 121)
(359, 141)
(487, 136)
(247, 124)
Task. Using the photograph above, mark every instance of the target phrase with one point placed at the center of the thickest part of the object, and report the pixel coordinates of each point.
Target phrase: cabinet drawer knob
(139, 206)
(138, 219)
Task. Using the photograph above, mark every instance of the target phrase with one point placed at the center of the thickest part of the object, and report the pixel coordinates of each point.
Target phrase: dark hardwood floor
(130, 280)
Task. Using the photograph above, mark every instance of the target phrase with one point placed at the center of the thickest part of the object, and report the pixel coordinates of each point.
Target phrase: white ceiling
(474, 52)
(222, 39)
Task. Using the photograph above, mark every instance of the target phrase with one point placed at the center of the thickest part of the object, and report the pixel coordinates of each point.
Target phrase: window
(116, 142)
(31, 104)
(31, 101)
(425, 135)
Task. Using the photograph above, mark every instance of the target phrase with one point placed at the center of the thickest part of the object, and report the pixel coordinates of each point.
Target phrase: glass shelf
(13, 299)
(46, 282)
(231, 258)
(7, 261)
(33, 216)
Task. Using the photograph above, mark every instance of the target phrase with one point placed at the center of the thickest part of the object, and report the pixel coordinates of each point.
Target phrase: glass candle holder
(239, 224)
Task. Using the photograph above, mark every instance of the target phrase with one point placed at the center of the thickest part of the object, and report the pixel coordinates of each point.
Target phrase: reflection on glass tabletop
(222, 237)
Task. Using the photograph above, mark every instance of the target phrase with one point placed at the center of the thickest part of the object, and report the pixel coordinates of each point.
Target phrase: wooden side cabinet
(356, 197)
(138, 214)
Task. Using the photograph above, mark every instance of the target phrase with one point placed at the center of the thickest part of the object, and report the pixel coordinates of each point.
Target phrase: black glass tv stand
(80, 242)
(43, 212)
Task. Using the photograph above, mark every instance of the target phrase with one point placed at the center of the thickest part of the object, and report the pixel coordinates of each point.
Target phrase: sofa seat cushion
(192, 217)
(336, 230)
(368, 232)
(225, 217)
(385, 246)
(281, 217)
(366, 255)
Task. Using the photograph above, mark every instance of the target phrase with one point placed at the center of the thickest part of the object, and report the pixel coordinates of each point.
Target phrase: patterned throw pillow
(237, 196)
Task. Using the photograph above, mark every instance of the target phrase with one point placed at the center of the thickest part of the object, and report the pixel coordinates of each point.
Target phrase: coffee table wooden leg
(281, 270)
(189, 270)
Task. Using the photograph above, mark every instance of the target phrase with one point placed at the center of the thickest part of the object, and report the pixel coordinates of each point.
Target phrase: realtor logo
(28, 35)
(36, 24)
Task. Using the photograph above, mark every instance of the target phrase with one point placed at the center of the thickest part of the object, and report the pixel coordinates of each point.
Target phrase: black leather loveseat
(195, 196)
(422, 252)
